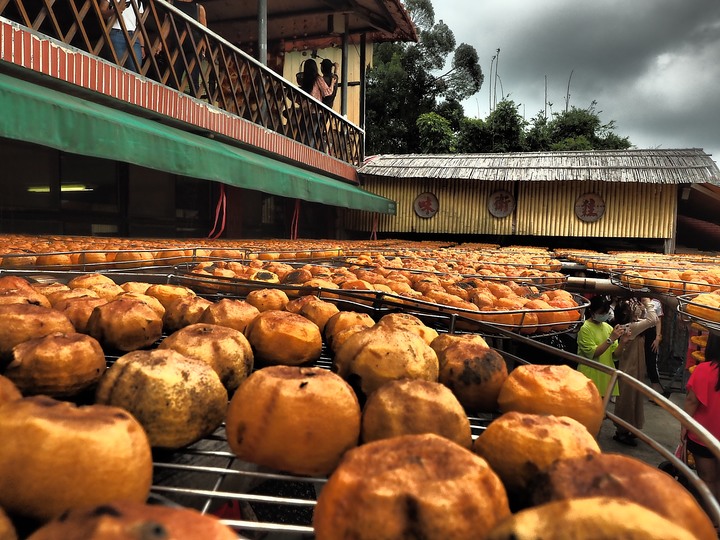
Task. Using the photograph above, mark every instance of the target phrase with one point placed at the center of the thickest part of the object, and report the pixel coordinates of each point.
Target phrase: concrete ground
(660, 426)
(664, 430)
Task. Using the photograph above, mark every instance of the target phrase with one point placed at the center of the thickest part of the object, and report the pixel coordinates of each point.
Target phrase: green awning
(35, 114)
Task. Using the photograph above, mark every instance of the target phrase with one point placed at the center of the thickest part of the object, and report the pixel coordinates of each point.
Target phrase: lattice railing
(175, 45)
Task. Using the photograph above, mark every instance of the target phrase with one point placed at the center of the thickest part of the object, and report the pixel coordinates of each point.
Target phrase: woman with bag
(702, 402)
(635, 317)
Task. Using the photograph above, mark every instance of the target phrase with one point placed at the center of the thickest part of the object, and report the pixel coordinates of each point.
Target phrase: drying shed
(607, 194)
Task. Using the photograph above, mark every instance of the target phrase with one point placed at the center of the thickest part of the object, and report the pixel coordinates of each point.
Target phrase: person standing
(313, 122)
(653, 337)
(197, 12)
(126, 12)
(313, 83)
(702, 402)
(635, 317)
(597, 340)
(329, 75)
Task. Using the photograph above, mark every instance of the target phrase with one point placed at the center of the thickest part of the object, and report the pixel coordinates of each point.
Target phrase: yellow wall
(631, 210)
(294, 59)
(542, 209)
(463, 208)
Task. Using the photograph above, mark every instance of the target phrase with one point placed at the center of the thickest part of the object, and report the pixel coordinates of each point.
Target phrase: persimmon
(503, 318)
(546, 319)
(357, 284)
(426, 287)
(528, 322)
(483, 299)
(499, 290)
(508, 304)
(706, 306)
(567, 315)
(632, 279)
(656, 282)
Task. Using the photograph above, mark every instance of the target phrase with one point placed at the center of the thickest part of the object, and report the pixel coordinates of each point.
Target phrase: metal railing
(184, 55)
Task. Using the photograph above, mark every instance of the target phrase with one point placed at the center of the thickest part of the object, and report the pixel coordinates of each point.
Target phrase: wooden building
(582, 197)
(204, 136)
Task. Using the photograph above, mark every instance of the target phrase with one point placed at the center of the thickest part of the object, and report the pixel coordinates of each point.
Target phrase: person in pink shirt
(702, 402)
(313, 83)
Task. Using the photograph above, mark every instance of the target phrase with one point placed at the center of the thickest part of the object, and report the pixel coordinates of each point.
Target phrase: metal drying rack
(257, 502)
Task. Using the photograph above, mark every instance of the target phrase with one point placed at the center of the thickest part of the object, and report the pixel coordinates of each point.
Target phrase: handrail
(184, 55)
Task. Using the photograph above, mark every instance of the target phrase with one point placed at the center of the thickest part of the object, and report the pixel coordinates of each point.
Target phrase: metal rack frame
(198, 476)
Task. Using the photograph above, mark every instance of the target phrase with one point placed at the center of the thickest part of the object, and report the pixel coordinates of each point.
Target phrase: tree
(406, 82)
(507, 128)
(572, 143)
(537, 138)
(386, 119)
(465, 78)
(582, 129)
(436, 135)
(504, 130)
(473, 136)
(574, 129)
(452, 111)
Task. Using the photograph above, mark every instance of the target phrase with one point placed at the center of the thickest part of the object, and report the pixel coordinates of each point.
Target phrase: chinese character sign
(501, 204)
(589, 207)
(426, 205)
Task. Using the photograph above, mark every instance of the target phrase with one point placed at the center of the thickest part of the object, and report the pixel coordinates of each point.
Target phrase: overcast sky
(653, 66)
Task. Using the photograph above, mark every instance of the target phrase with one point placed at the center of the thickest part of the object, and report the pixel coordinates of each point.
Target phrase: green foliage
(422, 12)
(465, 77)
(507, 127)
(581, 129)
(411, 107)
(575, 123)
(504, 130)
(537, 138)
(392, 104)
(435, 45)
(612, 141)
(403, 83)
(453, 111)
(572, 143)
(474, 136)
(436, 135)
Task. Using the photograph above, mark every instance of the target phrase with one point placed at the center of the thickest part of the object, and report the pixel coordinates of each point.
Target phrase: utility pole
(490, 107)
(497, 63)
(567, 96)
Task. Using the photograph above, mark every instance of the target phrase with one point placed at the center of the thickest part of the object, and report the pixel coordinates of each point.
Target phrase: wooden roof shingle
(680, 166)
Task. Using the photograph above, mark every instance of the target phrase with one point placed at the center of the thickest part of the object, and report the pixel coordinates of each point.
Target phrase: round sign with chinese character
(501, 204)
(426, 205)
(589, 207)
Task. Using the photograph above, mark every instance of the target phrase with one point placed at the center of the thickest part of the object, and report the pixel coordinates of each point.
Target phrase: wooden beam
(706, 191)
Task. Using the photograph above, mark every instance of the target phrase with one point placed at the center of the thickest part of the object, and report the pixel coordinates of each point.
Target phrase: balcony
(181, 54)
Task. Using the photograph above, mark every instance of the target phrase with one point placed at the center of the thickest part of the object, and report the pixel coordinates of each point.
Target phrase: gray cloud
(653, 66)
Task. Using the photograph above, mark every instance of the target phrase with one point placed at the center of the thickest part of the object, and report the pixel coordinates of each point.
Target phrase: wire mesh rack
(258, 502)
(255, 501)
(706, 315)
(637, 282)
(539, 322)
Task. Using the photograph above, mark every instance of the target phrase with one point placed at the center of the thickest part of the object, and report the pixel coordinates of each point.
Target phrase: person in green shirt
(597, 340)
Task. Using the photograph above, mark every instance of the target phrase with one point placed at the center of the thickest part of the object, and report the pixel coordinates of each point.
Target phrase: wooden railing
(176, 45)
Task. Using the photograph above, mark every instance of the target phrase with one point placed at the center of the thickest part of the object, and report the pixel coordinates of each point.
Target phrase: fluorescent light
(63, 187)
